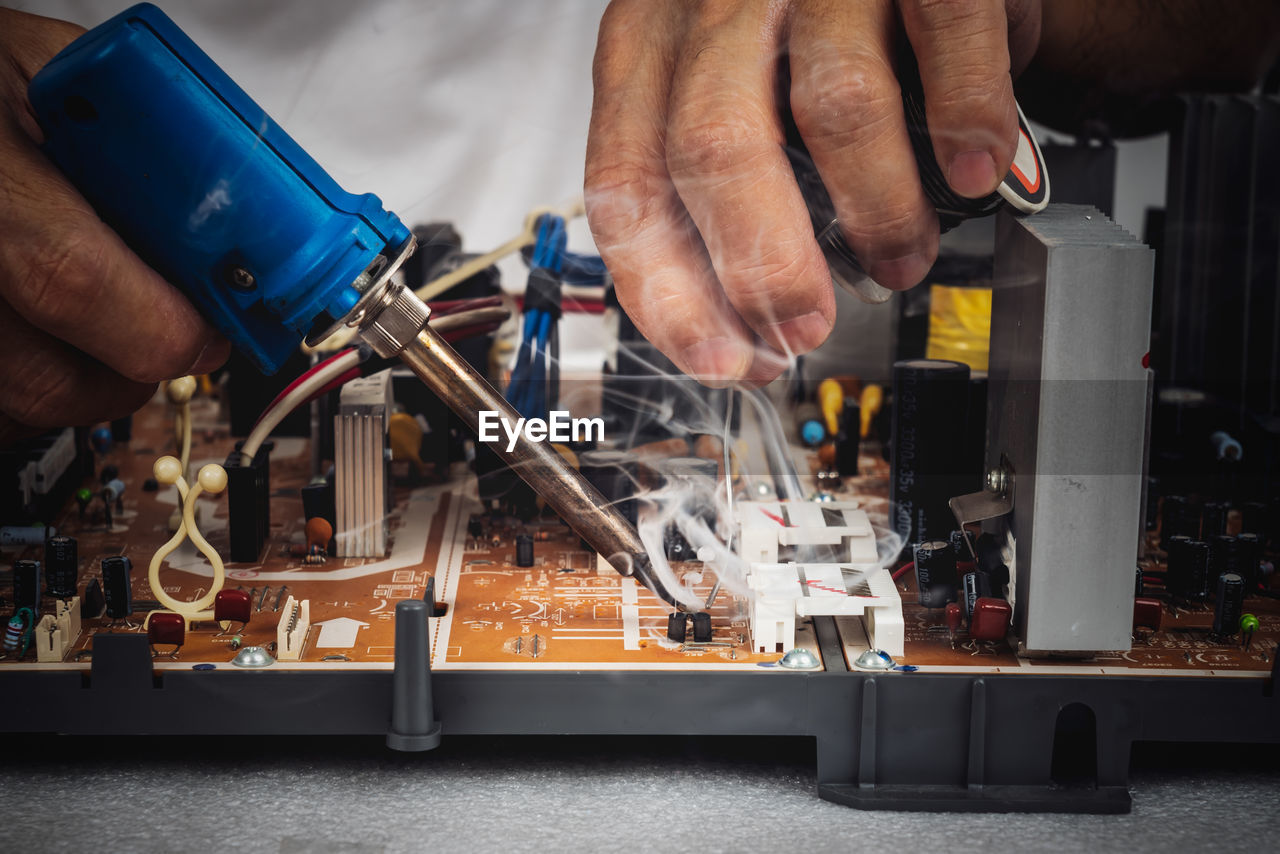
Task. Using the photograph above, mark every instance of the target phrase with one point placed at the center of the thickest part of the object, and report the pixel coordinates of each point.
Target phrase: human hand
(88, 328)
(689, 193)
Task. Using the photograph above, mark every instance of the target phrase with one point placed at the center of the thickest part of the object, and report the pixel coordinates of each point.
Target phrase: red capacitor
(166, 627)
(954, 617)
(1147, 613)
(990, 620)
(233, 606)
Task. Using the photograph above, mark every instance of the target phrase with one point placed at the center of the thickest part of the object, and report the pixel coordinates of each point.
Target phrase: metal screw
(998, 480)
(242, 279)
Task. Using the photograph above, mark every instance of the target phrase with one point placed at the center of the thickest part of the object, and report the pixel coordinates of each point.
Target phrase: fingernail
(800, 334)
(898, 274)
(766, 365)
(210, 358)
(973, 174)
(717, 360)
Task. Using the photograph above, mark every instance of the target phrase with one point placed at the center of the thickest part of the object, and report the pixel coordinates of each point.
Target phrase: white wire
(272, 417)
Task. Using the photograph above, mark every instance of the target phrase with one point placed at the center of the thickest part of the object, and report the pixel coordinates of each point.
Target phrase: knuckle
(878, 231)
(38, 394)
(712, 145)
(623, 194)
(945, 15)
(59, 278)
(846, 102)
(782, 272)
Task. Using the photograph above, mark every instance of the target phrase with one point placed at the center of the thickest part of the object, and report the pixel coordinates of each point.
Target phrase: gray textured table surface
(583, 794)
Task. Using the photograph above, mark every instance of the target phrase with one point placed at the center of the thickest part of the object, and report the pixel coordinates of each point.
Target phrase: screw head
(997, 480)
(241, 279)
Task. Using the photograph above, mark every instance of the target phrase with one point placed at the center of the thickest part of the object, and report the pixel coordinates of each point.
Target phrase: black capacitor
(677, 626)
(26, 585)
(1253, 519)
(1213, 519)
(962, 545)
(1224, 556)
(614, 473)
(1177, 518)
(936, 576)
(524, 550)
(61, 566)
(117, 586)
(1230, 605)
(927, 461)
(849, 438)
(1248, 560)
(976, 586)
(702, 627)
(92, 603)
(1188, 575)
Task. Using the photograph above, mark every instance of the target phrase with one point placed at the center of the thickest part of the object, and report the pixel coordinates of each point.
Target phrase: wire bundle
(535, 378)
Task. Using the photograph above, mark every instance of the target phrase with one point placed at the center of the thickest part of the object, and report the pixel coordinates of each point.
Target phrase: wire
(298, 392)
(903, 570)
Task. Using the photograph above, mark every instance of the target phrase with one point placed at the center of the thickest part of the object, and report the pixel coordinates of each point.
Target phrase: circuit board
(567, 610)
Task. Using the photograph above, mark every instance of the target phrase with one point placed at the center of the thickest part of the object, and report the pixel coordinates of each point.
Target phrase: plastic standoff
(413, 719)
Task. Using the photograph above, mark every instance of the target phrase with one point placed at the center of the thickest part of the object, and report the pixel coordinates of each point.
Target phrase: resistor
(18, 632)
(319, 534)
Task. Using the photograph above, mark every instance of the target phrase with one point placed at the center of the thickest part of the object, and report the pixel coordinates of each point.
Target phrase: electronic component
(1229, 607)
(677, 626)
(701, 627)
(61, 566)
(615, 474)
(93, 604)
(248, 502)
(1248, 559)
(18, 631)
(165, 628)
(1188, 574)
(848, 439)
(1177, 518)
(56, 632)
(1224, 556)
(117, 586)
(1147, 613)
(990, 620)
(361, 480)
(36, 475)
(929, 400)
(976, 586)
(26, 585)
(232, 606)
(524, 550)
(291, 631)
(319, 535)
(1213, 519)
(936, 577)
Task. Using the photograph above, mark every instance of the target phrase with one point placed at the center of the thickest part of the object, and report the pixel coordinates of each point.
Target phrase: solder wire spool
(1025, 189)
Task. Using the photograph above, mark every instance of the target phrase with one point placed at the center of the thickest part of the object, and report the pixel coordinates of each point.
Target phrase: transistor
(62, 566)
(701, 627)
(936, 577)
(677, 626)
(117, 586)
(26, 585)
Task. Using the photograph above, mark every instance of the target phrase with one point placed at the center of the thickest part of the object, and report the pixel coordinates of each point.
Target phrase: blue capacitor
(205, 187)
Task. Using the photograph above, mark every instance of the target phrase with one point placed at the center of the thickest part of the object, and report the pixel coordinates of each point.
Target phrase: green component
(236, 642)
(1248, 624)
(83, 495)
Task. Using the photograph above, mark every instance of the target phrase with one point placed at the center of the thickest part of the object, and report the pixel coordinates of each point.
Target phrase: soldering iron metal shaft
(399, 328)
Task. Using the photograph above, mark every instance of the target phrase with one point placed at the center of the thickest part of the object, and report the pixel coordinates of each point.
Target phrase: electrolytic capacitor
(936, 576)
(524, 550)
(1188, 575)
(1213, 519)
(1253, 519)
(26, 585)
(61, 566)
(963, 546)
(849, 438)
(976, 586)
(1230, 605)
(1177, 518)
(1224, 555)
(117, 586)
(927, 463)
(1248, 559)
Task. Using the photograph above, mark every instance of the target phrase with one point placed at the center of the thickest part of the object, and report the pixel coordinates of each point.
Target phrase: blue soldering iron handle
(204, 186)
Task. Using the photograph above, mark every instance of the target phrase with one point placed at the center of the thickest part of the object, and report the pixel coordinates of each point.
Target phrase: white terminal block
(784, 592)
(55, 634)
(362, 488)
(291, 631)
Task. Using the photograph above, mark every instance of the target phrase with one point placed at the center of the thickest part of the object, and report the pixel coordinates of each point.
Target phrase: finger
(962, 47)
(660, 268)
(48, 384)
(65, 272)
(848, 108)
(724, 152)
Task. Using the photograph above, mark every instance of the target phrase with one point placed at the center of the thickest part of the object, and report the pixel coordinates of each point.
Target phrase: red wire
(309, 372)
(903, 570)
(440, 308)
(776, 518)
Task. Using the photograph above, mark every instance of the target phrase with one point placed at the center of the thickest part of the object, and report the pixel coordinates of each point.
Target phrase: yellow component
(831, 399)
(870, 402)
(959, 325)
(565, 451)
(406, 440)
(212, 479)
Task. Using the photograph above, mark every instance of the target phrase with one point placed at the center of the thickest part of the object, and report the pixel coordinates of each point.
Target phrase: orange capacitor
(831, 396)
(319, 533)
